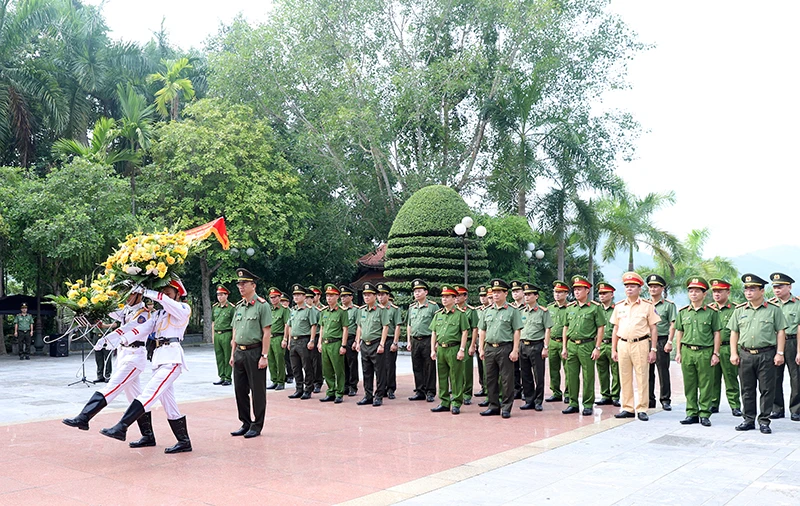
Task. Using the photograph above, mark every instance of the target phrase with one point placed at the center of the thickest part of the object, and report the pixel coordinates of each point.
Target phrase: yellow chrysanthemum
(73, 294)
(83, 302)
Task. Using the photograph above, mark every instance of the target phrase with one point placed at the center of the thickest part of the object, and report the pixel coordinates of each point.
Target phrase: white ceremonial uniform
(170, 322)
(131, 360)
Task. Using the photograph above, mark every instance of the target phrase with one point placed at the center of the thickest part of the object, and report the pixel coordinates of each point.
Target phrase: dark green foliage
(433, 210)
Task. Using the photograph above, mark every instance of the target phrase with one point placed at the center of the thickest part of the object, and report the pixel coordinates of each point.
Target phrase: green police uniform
(102, 358)
(558, 314)
(608, 368)
(419, 321)
(351, 356)
(757, 327)
(791, 311)
(469, 363)
(277, 355)
(582, 324)
(372, 321)
(24, 325)
(697, 346)
(333, 322)
(668, 312)
(302, 321)
(222, 316)
(535, 320)
(449, 327)
(500, 324)
(725, 369)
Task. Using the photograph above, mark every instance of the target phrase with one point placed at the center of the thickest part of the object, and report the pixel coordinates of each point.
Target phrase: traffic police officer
(276, 358)
(721, 290)
(534, 345)
(790, 305)
(607, 368)
(420, 314)
(449, 333)
(221, 330)
(23, 329)
(666, 331)
(558, 313)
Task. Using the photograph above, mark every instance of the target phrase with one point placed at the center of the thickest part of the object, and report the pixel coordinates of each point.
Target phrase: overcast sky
(717, 98)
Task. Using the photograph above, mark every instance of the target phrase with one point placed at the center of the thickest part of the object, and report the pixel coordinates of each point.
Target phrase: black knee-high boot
(146, 427)
(134, 411)
(181, 434)
(96, 402)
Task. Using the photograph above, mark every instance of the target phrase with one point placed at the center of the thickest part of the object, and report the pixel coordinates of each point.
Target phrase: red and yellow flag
(216, 227)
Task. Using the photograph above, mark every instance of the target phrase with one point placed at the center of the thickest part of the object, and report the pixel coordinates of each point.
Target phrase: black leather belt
(497, 345)
(723, 343)
(695, 348)
(557, 340)
(244, 347)
(135, 344)
(582, 341)
(369, 343)
(663, 337)
(791, 336)
(524, 341)
(329, 341)
(449, 345)
(607, 341)
(163, 341)
(636, 340)
(756, 351)
(308, 336)
(222, 331)
(420, 338)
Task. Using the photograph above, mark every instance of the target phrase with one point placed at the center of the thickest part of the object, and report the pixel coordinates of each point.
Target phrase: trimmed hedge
(421, 262)
(445, 242)
(436, 276)
(434, 254)
(433, 210)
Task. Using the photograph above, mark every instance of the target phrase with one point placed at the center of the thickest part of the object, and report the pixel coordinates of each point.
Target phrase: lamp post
(532, 254)
(462, 230)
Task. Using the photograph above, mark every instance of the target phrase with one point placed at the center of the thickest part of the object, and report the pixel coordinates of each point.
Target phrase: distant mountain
(784, 259)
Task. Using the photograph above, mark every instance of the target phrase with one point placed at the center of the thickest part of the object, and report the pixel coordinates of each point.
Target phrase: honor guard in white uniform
(131, 362)
(168, 325)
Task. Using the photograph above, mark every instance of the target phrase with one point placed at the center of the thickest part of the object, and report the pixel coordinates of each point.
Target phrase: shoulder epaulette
(774, 300)
(361, 307)
(712, 307)
(392, 304)
(687, 306)
(323, 308)
(241, 303)
(743, 304)
(543, 308)
(667, 300)
(573, 303)
(216, 304)
(773, 303)
(594, 302)
(262, 300)
(439, 311)
(460, 309)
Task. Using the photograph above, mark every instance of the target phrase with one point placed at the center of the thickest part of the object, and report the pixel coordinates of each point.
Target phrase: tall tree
(175, 86)
(136, 131)
(102, 148)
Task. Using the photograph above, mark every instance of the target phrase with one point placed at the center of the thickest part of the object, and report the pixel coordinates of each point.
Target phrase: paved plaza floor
(313, 453)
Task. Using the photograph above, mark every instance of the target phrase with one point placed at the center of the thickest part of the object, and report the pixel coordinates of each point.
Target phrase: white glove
(137, 289)
(151, 294)
(100, 344)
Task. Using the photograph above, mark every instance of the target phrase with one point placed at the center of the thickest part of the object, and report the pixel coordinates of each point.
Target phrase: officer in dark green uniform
(666, 331)
(721, 290)
(790, 305)
(300, 338)
(518, 296)
(558, 313)
(222, 331)
(23, 330)
(286, 358)
(758, 337)
(392, 339)
(373, 327)
(484, 299)
(252, 324)
(697, 341)
(449, 334)
(607, 368)
(276, 359)
(351, 357)
(420, 314)
(472, 341)
(499, 332)
(313, 297)
(333, 323)
(534, 345)
(583, 328)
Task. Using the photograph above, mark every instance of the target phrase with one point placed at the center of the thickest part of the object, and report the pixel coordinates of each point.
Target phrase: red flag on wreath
(216, 227)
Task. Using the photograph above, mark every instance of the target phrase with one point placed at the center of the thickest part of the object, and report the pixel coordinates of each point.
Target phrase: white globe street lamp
(461, 229)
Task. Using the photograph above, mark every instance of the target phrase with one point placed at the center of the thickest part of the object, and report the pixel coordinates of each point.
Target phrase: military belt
(222, 331)
(244, 347)
(582, 341)
(420, 338)
(723, 343)
(636, 340)
(163, 341)
(329, 341)
(529, 342)
(695, 347)
(497, 345)
(756, 351)
(791, 336)
(307, 336)
(135, 344)
(556, 340)
(607, 341)
(449, 345)
(369, 343)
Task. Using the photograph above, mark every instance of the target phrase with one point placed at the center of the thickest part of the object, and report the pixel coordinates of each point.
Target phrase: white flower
(133, 270)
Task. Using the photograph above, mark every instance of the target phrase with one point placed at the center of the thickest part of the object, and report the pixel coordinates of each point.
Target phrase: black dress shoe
(290, 380)
(241, 432)
(775, 415)
(587, 412)
(296, 395)
(417, 397)
(220, 382)
(440, 409)
(97, 380)
(570, 410)
(317, 389)
(364, 401)
(526, 406)
(483, 404)
(279, 387)
(566, 400)
(467, 402)
(764, 428)
(603, 402)
(391, 395)
(689, 420)
(714, 409)
(377, 401)
(796, 417)
(705, 422)
(537, 407)
(251, 433)
(651, 404)
(327, 398)
(226, 383)
(305, 396)
(490, 412)
(746, 426)
(736, 412)
(616, 403)
(552, 398)
(667, 406)
(430, 398)
(352, 392)
(338, 400)
(643, 416)
(506, 414)
(480, 393)
(624, 414)
(517, 394)
(271, 387)
(455, 410)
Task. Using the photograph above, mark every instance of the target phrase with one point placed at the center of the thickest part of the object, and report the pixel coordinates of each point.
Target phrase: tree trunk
(522, 203)
(630, 258)
(590, 274)
(133, 190)
(561, 247)
(205, 296)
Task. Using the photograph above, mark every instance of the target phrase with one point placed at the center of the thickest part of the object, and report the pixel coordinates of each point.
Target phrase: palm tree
(628, 220)
(174, 87)
(135, 129)
(101, 149)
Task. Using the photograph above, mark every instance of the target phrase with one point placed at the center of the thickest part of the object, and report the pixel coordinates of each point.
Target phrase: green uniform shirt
(280, 317)
(559, 316)
(583, 321)
(352, 316)
(420, 316)
(608, 311)
(223, 316)
(24, 322)
(372, 320)
(535, 320)
(449, 325)
(473, 315)
(758, 327)
(302, 319)
(250, 319)
(500, 323)
(668, 313)
(332, 322)
(791, 311)
(395, 317)
(725, 312)
(698, 325)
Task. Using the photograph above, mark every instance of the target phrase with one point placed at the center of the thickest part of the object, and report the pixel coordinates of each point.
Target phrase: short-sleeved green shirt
(250, 319)
(302, 319)
(668, 312)
(791, 311)
(420, 316)
(583, 321)
(535, 320)
(395, 317)
(24, 322)
(608, 311)
(559, 316)
(449, 325)
(473, 315)
(698, 325)
(280, 317)
(352, 316)
(500, 323)
(222, 316)
(333, 321)
(758, 327)
(372, 320)
(725, 312)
